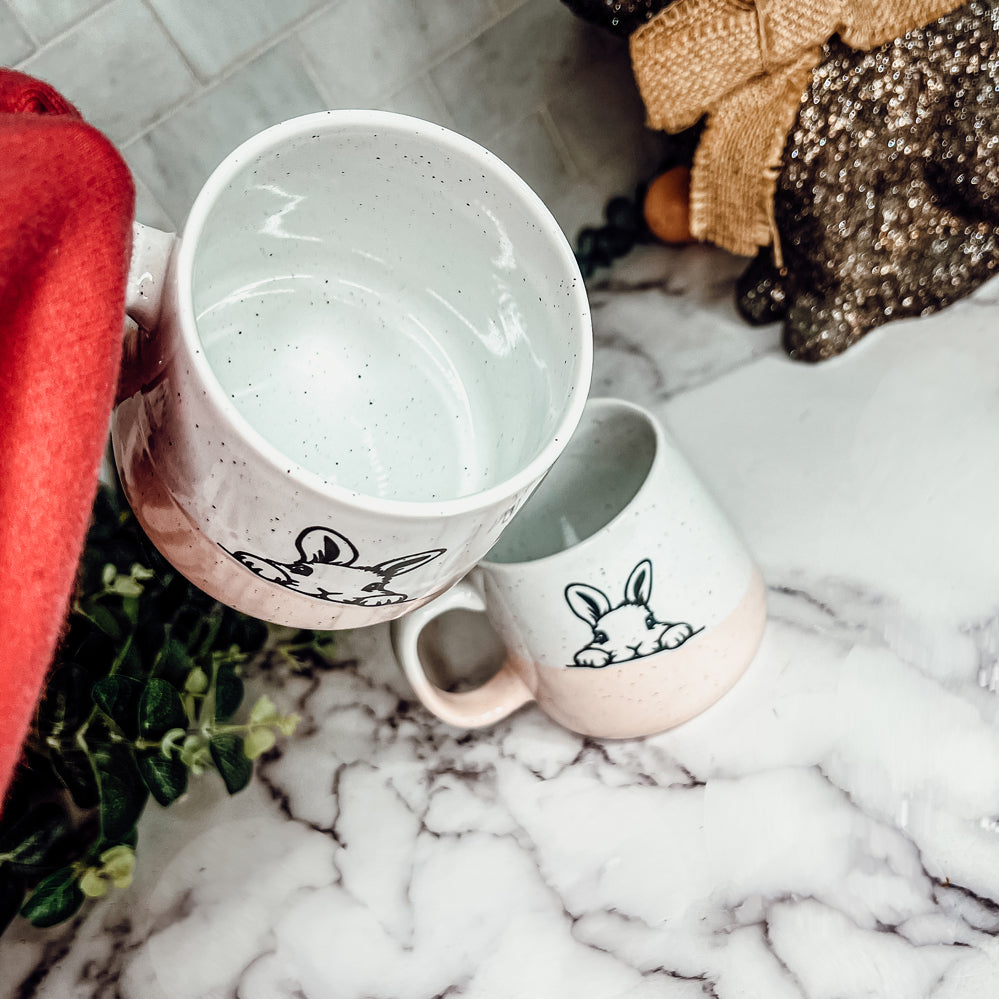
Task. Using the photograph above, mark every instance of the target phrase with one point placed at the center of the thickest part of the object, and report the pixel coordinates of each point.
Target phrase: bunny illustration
(628, 631)
(326, 568)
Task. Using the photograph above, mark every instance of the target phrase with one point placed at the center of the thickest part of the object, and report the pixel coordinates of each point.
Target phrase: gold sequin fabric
(887, 202)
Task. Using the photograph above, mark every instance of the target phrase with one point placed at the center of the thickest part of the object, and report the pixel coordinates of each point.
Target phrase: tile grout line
(437, 93)
(306, 63)
(206, 86)
(426, 70)
(154, 14)
(289, 33)
(67, 30)
(23, 25)
(562, 149)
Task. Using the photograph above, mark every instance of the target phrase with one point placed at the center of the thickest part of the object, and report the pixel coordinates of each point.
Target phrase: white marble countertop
(829, 830)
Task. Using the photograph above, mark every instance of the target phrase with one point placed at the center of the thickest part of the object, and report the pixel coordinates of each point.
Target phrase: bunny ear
(320, 544)
(397, 566)
(638, 589)
(586, 602)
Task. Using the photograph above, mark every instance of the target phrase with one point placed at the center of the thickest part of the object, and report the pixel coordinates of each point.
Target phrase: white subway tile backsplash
(363, 51)
(514, 67)
(421, 99)
(505, 7)
(44, 19)
(601, 120)
(176, 157)
(527, 147)
(215, 34)
(118, 67)
(179, 83)
(15, 44)
(148, 209)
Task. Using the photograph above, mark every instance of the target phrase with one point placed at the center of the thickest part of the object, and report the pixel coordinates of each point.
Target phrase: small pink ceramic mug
(623, 597)
(366, 349)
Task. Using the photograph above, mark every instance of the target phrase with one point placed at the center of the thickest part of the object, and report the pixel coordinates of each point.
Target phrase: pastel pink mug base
(638, 698)
(201, 560)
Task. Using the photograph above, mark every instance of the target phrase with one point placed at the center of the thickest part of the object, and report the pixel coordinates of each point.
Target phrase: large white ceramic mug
(368, 346)
(623, 597)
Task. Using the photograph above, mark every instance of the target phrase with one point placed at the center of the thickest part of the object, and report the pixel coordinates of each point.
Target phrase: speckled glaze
(632, 613)
(373, 342)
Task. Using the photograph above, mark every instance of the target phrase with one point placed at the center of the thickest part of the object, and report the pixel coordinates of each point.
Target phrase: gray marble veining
(828, 830)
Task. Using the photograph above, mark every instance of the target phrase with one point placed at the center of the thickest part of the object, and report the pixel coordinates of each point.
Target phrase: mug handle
(147, 278)
(147, 271)
(498, 697)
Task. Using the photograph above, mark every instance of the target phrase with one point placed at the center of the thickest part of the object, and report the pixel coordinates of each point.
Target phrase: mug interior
(387, 305)
(599, 473)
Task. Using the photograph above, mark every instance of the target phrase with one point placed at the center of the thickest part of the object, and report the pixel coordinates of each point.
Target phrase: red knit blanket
(66, 205)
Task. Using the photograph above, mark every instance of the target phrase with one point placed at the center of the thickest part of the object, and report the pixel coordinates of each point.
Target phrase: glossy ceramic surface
(374, 341)
(624, 598)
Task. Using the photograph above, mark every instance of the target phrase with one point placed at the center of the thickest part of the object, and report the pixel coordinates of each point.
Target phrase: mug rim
(659, 440)
(532, 204)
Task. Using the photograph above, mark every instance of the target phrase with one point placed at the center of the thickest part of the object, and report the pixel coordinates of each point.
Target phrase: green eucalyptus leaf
(258, 741)
(196, 682)
(165, 776)
(149, 636)
(173, 662)
(74, 769)
(123, 793)
(66, 701)
(173, 594)
(130, 608)
(129, 661)
(160, 709)
(127, 588)
(92, 884)
(54, 899)
(130, 839)
(105, 619)
(228, 692)
(118, 697)
(87, 647)
(29, 841)
(246, 633)
(231, 761)
(192, 628)
(11, 896)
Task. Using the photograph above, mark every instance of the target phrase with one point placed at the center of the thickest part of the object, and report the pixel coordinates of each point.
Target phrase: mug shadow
(460, 651)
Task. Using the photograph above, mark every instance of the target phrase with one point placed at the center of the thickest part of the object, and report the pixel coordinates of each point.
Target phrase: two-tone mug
(370, 343)
(624, 599)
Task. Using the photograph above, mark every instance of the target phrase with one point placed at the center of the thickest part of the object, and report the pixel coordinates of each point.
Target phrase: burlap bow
(745, 65)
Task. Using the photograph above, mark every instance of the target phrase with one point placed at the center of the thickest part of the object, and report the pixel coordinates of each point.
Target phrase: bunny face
(627, 631)
(327, 569)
